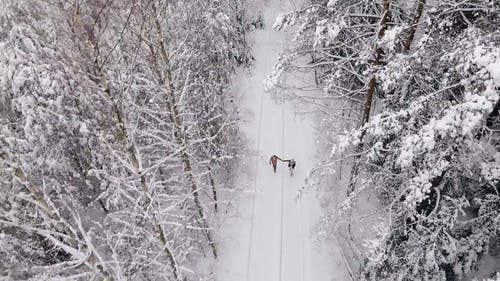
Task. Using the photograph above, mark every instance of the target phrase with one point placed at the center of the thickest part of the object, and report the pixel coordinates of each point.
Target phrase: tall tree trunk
(372, 85)
(414, 24)
(134, 160)
(179, 132)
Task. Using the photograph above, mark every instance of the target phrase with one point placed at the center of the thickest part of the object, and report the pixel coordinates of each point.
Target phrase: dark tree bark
(372, 85)
(414, 24)
(214, 190)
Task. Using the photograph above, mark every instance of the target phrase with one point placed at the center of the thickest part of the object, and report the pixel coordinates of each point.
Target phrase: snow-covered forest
(135, 138)
(416, 85)
(114, 123)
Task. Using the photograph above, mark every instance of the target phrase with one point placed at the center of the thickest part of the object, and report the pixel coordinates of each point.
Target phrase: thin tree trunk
(372, 84)
(214, 190)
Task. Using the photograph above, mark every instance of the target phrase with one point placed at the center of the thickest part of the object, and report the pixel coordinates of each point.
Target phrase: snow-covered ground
(267, 234)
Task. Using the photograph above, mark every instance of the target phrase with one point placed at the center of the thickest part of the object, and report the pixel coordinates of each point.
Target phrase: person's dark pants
(274, 168)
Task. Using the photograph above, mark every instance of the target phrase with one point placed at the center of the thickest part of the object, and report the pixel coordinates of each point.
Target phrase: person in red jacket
(274, 161)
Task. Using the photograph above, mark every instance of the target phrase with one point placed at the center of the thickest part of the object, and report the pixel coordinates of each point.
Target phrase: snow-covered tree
(339, 42)
(433, 151)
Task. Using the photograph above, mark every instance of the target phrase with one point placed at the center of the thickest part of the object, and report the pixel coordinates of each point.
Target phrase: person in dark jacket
(291, 165)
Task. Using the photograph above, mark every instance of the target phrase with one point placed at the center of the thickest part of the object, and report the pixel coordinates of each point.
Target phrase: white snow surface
(266, 234)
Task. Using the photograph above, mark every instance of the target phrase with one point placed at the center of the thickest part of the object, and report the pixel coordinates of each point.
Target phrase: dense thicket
(431, 149)
(115, 123)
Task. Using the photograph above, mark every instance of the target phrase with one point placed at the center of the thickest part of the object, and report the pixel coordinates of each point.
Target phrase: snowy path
(271, 237)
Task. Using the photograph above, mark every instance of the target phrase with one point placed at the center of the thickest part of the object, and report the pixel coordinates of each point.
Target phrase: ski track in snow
(271, 238)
